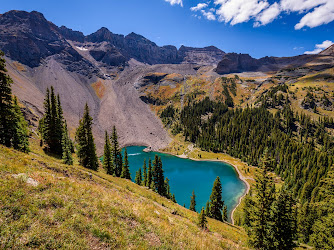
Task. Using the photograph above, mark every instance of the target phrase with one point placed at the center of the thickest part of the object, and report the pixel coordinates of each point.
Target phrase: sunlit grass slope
(74, 208)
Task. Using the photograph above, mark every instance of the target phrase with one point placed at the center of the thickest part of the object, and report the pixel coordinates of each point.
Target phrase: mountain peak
(328, 52)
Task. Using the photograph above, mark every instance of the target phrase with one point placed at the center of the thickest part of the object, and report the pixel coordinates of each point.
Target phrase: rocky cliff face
(29, 38)
(236, 63)
(203, 56)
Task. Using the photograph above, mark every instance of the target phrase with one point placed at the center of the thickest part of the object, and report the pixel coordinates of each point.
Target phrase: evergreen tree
(225, 218)
(247, 209)
(202, 221)
(66, 146)
(207, 209)
(173, 198)
(125, 169)
(167, 188)
(51, 126)
(116, 154)
(6, 105)
(216, 202)
(107, 160)
(44, 122)
(19, 129)
(13, 128)
(260, 234)
(193, 202)
(322, 236)
(85, 142)
(306, 218)
(158, 176)
(284, 221)
(145, 173)
(149, 174)
(59, 125)
(138, 179)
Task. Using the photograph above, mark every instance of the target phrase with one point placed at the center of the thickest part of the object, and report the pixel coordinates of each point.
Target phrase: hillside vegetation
(45, 204)
(287, 114)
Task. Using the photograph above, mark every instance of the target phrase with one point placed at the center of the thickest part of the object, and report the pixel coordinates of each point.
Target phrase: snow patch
(81, 48)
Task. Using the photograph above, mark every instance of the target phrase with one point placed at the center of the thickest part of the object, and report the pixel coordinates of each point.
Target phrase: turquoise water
(187, 175)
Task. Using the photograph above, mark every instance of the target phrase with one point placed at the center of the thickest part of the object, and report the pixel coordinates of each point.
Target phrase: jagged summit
(21, 30)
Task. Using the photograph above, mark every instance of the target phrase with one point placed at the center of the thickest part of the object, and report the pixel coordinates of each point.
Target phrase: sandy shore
(241, 177)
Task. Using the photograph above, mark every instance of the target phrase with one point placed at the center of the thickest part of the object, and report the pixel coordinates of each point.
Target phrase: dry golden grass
(73, 207)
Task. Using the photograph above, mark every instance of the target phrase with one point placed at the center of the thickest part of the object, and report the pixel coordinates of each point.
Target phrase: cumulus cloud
(239, 11)
(300, 5)
(173, 2)
(268, 15)
(313, 12)
(320, 15)
(320, 47)
(199, 7)
(208, 15)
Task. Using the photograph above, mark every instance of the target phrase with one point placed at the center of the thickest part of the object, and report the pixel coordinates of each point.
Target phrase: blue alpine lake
(186, 175)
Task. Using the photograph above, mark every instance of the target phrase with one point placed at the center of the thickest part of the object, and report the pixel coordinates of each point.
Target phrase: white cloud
(313, 12)
(173, 2)
(319, 47)
(239, 11)
(199, 7)
(320, 15)
(208, 15)
(300, 5)
(268, 15)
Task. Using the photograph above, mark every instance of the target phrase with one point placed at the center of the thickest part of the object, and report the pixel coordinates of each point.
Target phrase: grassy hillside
(45, 204)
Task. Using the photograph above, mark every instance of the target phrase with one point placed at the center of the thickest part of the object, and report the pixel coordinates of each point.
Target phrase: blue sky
(256, 27)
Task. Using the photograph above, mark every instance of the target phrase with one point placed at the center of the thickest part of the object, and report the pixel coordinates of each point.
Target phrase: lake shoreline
(240, 176)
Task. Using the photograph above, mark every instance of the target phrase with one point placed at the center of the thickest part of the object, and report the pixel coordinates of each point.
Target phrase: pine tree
(116, 154)
(207, 209)
(225, 218)
(125, 169)
(44, 122)
(306, 218)
(216, 202)
(66, 147)
(247, 209)
(51, 126)
(284, 221)
(19, 129)
(55, 139)
(322, 236)
(13, 127)
(138, 179)
(193, 202)
(158, 179)
(259, 232)
(149, 174)
(167, 188)
(59, 125)
(107, 160)
(173, 198)
(85, 142)
(202, 221)
(144, 173)
(6, 105)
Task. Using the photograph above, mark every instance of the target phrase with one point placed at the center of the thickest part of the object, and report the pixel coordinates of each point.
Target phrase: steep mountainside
(104, 69)
(237, 63)
(46, 204)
